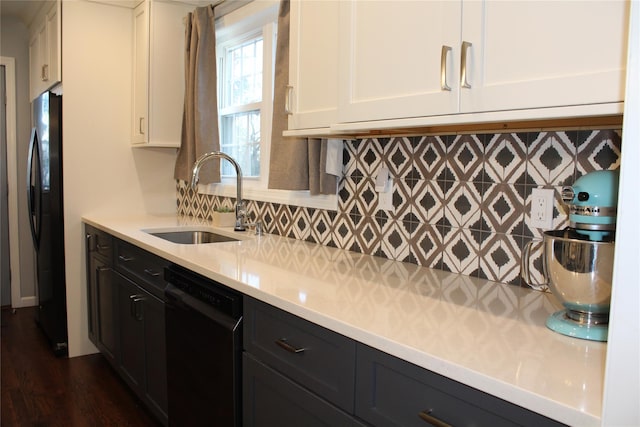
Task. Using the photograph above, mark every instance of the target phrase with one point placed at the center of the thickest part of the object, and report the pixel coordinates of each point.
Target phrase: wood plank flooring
(38, 389)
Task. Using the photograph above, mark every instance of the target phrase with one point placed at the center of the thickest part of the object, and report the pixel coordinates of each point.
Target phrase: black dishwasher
(204, 346)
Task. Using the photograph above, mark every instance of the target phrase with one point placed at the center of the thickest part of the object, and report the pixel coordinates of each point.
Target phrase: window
(241, 105)
(246, 40)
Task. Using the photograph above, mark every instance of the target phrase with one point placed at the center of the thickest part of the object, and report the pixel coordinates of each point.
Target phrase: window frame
(244, 23)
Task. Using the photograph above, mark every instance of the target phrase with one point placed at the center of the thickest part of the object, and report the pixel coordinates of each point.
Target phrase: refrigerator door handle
(34, 189)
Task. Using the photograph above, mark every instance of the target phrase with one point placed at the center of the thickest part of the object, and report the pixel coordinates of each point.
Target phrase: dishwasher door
(204, 345)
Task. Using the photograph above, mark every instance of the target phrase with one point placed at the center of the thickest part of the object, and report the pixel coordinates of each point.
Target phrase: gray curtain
(295, 163)
(200, 117)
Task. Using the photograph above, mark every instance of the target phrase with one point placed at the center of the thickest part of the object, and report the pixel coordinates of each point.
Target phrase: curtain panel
(200, 132)
(295, 163)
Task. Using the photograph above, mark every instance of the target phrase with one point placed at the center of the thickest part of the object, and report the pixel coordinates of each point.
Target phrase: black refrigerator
(45, 198)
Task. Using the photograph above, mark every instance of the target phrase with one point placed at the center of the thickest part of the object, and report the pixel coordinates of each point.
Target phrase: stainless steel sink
(193, 237)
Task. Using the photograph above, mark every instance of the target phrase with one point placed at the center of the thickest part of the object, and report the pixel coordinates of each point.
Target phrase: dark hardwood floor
(39, 389)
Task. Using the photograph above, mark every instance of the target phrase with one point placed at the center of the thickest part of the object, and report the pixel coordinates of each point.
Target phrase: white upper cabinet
(393, 56)
(158, 72)
(414, 63)
(45, 62)
(313, 64)
(540, 54)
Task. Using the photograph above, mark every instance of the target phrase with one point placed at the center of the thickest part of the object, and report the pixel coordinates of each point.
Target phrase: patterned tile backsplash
(460, 203)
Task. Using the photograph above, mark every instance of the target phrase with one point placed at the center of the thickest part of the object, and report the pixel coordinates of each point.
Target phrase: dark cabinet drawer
(141, 266)
(99, 243)
(271, 399)
(318, 359)
(393, 392)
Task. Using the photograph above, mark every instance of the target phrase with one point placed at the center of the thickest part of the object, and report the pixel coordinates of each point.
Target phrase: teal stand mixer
(578, 261)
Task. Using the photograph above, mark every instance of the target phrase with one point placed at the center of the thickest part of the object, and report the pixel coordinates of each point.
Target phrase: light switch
(382, 180)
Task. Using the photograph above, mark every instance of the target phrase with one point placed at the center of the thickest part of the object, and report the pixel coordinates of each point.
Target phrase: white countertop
(487, 335)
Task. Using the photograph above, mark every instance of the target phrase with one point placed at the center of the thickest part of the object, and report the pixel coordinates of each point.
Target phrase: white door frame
(17, 300)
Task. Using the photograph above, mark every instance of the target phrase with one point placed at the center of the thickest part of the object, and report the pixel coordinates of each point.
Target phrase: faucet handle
(259, 230)
(258, 226)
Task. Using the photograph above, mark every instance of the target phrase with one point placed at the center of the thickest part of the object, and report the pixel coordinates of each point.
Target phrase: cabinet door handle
(88, 240)
(139, 312)
(125, 258)
(99, 271)
(151, 272)
(463, 65)
(287, 102)
(44, 72)
(102, 247)
(282, 342)
(431, 420)
(443, 67)
(141, 125)
(134, 306)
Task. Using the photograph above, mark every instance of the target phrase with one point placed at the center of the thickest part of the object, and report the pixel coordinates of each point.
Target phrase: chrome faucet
(241, 213)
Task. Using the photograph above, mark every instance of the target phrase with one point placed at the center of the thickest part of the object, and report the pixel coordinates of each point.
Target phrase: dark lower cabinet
(126, 315)
(107, 332)
(393, 392)
(101, 294)
(297, 373)
(294, 372)
(271, 399)
(143, 362)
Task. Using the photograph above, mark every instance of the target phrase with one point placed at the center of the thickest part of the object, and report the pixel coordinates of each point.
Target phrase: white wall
(14, 38)
(101, 171)
(621, 405)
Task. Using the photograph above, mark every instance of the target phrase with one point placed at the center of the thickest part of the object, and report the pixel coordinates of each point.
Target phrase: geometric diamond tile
(349, 157)
(300, 223)
(500, 259)
(366, 197)
(367, 236)
(502, 208)
(343, 231)
(505, 159)
(428, 202)
(395, 240)
(430, 157)
(551, 159)
(398, 158)
(426, 245)
(461, 251)
(465, 158)
(369, 157)
(599, 151)
(462, 204)
(321, 227)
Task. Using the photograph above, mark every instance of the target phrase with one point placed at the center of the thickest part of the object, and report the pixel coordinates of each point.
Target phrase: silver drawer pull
(134, 306)
(431, 420)
(124, 258)
(464, 82)
(282, 342)
(287, 102)
(443, 68)
(151, 272)
(102, 247)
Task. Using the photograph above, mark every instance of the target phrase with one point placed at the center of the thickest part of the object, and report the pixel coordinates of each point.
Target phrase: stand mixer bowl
(579, 273)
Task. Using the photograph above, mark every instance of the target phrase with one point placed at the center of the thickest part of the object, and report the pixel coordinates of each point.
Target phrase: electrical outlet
(542, 208)
(385, 198)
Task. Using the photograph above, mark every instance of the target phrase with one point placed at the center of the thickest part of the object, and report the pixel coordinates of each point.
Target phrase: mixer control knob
(567, 194)
(583, 196)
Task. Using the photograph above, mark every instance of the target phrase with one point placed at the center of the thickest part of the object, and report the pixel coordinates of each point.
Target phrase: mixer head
(593, 201)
